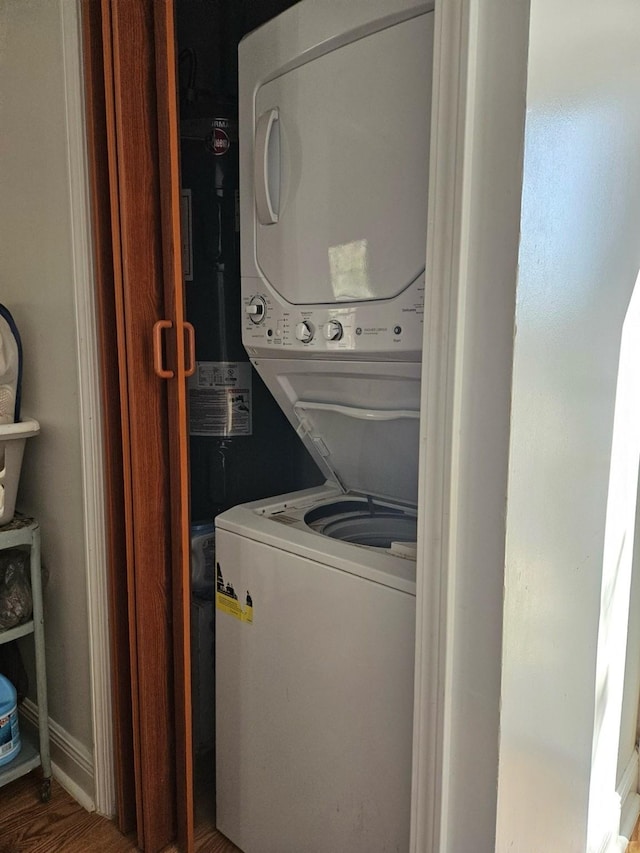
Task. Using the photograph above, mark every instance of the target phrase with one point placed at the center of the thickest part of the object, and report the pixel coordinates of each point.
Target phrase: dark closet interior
(242, 448)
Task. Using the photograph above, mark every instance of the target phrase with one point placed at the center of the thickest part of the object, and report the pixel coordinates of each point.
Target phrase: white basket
(12, 441)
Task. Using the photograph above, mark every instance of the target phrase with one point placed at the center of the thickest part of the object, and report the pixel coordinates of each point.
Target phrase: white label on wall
(186, 231)
(220, 399)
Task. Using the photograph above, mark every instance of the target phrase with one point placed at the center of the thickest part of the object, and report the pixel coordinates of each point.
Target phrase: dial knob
(304, 332)
(256, 309)
(333, 331)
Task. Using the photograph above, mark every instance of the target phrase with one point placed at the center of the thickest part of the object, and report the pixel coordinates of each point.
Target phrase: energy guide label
(220, 399)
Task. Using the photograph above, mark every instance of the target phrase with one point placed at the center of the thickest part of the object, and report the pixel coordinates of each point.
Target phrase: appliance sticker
(218, 140)
(220, 399)
(228, 602)
(186, 231)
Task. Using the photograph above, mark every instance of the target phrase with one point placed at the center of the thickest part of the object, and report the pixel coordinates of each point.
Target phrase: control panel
(389, 330)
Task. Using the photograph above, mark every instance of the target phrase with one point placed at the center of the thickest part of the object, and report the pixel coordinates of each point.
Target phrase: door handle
(267, 214)
(191, 349)
(158, 327)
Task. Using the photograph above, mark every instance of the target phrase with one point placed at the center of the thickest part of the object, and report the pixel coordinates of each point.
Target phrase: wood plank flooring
(63, 826)
(634, 841)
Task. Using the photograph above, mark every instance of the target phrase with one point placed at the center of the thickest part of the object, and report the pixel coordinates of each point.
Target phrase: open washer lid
(370, 451)
(359, 420)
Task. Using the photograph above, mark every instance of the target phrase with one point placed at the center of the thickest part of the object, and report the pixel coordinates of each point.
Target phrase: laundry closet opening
(304, 149)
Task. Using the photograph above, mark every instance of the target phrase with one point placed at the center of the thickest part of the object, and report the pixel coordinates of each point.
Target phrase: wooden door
(143, 332)
(183, 332)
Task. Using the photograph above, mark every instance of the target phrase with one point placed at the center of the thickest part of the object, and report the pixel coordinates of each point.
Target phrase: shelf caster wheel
(45, 790)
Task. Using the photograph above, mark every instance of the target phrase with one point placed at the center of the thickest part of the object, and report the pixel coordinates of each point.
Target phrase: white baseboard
(72, 788)
(71, 762)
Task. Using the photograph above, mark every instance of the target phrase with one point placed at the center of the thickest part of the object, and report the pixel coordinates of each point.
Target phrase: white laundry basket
(12, 441)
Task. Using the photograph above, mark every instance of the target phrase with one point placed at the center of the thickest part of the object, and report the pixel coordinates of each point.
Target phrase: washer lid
(371, 451)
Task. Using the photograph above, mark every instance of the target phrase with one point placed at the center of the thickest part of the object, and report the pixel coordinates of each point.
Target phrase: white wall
(568, 546)
(37, 284)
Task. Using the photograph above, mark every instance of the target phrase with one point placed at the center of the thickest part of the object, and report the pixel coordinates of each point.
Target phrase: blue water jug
(9, 733)
(203, 569)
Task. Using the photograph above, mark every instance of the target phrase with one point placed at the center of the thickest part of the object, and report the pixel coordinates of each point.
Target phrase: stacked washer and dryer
(316, 589)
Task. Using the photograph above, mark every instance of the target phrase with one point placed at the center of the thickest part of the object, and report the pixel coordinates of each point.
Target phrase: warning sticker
(220, 399)
(228, 602)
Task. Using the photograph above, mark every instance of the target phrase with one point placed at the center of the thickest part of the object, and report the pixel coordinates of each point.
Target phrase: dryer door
(341, 169)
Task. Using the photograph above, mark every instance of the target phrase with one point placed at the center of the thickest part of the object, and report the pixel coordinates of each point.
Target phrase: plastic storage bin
(12, 441)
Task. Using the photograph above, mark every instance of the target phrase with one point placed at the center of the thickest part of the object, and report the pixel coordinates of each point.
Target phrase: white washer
(314, 696)
(315, 606)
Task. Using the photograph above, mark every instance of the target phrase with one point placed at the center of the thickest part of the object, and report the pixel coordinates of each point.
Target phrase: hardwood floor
(634, 841)
(63, 826)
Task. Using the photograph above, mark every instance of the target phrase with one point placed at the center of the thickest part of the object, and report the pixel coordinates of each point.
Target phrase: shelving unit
(20, 532)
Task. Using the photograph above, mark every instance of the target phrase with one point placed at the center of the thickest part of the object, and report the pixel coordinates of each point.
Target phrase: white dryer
(315, 605)
(334, 157)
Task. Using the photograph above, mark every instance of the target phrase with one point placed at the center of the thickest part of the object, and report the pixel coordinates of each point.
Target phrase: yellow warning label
(229, 604)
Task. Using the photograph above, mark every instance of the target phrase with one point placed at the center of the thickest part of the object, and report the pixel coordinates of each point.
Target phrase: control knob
(256, 309)
(304, 331)
(333, 331)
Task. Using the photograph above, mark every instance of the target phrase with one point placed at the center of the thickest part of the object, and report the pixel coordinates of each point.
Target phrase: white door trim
(436, 420)
(478, 114)
(90, 412)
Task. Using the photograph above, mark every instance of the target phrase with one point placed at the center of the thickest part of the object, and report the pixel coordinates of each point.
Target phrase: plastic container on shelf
(12, 441)
(9, 732)
(203, 558)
